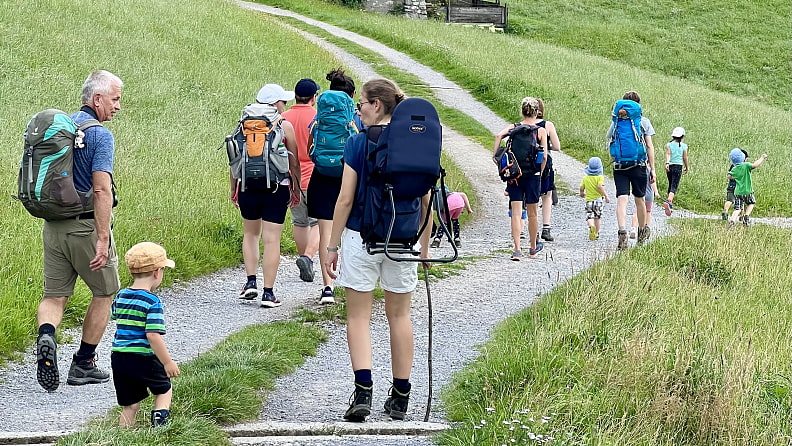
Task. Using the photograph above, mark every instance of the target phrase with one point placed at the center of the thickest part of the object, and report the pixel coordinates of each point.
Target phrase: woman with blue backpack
(335, 122)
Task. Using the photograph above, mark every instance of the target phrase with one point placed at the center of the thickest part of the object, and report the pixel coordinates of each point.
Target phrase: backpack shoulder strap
(88, 123)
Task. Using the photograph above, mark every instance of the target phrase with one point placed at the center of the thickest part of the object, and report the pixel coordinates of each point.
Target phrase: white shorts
(360, 270)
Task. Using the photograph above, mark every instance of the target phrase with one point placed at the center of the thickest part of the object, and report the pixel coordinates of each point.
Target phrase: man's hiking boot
(436, 242)
(328, 296)
(159, 417)
(86, 372)
(268, 300)
(458, 242)
(622, 240)
(533, 251)
(359, 404)
(305, 264)
(47, 362)
(249, 291)
(643, 234)
(396, 404)
(546, 235)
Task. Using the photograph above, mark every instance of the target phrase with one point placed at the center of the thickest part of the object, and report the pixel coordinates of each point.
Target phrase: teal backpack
(627, 147)
(333, 126)
(46, 181)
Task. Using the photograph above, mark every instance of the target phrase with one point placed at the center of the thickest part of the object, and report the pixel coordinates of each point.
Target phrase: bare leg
(270, 258)
(621, 210)
(50, 310)
(516, 222)
(597, 225)
(96, 319)
(671, 196)
(547, 207)
(640, 209)
(128, 414)
(251, 232)
(533, 223)
(325, 229)
(307, 240)
(358, 328)
(397, 310)
(163, 401)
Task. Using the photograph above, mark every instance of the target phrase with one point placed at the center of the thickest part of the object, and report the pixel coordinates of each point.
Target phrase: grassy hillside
(187, 74)
(579, 90)
(682, 342)
(742, 48)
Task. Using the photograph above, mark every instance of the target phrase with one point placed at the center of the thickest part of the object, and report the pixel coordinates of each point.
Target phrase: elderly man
(83, 245)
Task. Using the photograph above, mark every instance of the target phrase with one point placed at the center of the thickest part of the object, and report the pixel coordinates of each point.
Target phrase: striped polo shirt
(136, 312)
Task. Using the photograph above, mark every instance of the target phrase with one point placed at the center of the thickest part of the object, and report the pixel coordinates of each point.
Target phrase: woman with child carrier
(359, 271)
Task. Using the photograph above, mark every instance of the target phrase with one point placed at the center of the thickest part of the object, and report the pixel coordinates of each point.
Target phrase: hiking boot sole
(358, 413)
(306, 269)
(327, 300)
(47, 363)
(270, 304)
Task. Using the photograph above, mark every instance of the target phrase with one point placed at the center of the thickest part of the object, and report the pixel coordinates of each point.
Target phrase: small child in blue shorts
(139, 357)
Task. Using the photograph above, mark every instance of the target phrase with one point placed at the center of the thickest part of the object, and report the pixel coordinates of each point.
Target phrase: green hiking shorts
(69, 246)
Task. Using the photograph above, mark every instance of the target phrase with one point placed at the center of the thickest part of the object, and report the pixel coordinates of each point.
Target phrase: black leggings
(674, 174)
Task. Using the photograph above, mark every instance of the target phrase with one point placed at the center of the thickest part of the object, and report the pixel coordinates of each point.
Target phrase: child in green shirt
(744, 200)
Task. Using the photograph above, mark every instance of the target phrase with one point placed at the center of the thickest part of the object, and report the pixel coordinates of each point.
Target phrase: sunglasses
(360, 104)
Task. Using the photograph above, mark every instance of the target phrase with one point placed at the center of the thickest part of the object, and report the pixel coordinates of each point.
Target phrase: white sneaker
(633, 233)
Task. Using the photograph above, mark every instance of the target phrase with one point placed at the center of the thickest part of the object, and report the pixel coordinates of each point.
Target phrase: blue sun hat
(737, 156)
(594, 167)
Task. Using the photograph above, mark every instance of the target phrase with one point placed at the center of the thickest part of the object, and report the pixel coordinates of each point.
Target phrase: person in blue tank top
(676, 164)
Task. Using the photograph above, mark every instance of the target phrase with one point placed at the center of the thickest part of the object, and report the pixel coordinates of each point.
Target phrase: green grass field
(681, 342)
(580, 88)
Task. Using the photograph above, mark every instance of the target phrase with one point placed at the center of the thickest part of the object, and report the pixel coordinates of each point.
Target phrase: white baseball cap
(678, 132)
(272, 93)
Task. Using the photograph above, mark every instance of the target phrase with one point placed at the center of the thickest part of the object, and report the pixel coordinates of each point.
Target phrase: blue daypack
(402, 165)
(334, 124)
(627, 146)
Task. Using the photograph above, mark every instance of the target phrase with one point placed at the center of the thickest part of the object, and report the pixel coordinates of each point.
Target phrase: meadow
(579, 89)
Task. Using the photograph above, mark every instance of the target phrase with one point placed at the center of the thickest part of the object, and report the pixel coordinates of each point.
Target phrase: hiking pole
(429, 355)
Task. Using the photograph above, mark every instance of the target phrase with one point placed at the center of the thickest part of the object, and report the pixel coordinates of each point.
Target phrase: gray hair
(100, 81)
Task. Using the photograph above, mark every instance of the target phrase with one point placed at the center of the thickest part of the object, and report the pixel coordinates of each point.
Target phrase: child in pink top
(457, 201)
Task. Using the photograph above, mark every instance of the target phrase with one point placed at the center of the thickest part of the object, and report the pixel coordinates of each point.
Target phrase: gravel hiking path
(203, 311)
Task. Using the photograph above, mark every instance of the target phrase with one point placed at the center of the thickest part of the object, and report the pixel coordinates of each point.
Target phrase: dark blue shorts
(548, 177)
(134, 375)
(525, 189)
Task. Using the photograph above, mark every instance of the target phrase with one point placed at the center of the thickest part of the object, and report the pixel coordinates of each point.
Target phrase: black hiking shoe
(86, 372)
(249, 291)
(305, 264)
(546, 235)
(622, 240)
(396, 404)
(47, 362)
(359, 404)
(159, 417)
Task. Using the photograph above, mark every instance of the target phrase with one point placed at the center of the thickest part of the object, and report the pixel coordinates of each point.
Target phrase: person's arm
(582, 191)
(497, 150)
(650, 157)
(290, 141)
(667, 157)
(103, 209)
(551, 133)
(685, 161)
(543, 143)
(343, 208)
(423, 237)
(158, 345)
(467, 203)
(601, 188)
(759, 162)
(234, 189)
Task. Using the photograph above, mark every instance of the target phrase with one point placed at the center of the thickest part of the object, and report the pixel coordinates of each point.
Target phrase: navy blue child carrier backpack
(627, 147)
(402, 165)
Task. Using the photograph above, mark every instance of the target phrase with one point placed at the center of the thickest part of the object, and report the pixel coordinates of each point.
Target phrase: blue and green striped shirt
(136, 312)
